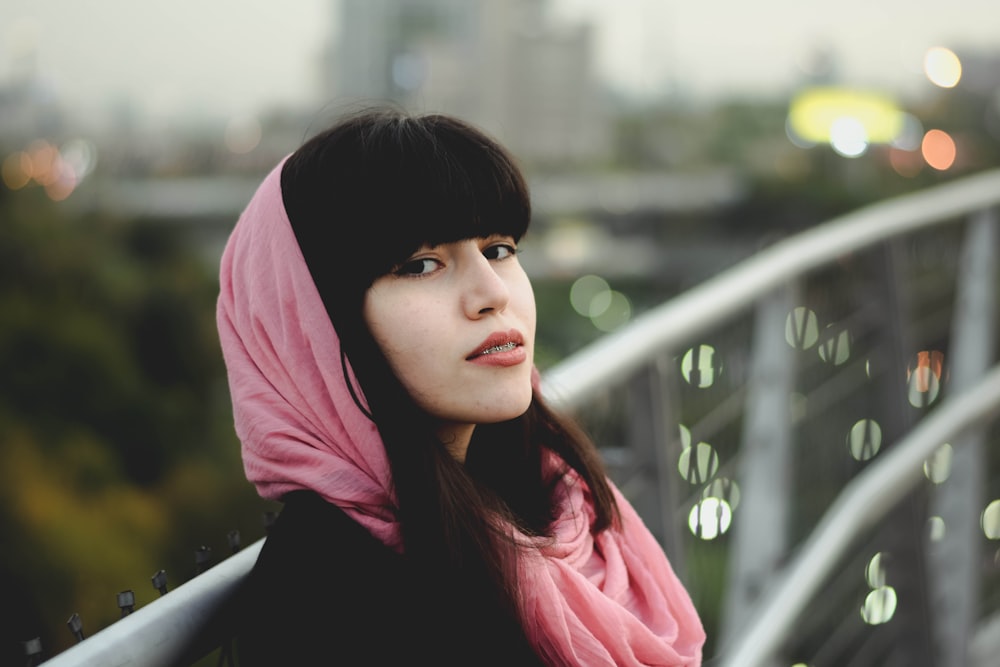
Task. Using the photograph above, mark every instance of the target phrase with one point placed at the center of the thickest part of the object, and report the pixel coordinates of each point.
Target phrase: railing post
(652, 433)
(905, 636)
(33, 651)
(760, 528)
(955, 559)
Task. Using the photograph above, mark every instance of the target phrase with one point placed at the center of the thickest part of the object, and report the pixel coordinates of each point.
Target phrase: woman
(378, 332)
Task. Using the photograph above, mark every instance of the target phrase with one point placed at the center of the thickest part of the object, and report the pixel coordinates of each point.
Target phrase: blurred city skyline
(163, 61)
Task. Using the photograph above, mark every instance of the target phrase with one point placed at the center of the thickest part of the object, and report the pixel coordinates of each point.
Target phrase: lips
(498, 343)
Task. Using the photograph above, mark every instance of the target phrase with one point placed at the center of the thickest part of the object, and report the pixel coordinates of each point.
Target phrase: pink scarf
(612, 599)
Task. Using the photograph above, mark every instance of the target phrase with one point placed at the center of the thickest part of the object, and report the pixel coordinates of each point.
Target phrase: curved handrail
(616, 355)
(162, 633)
(150, 636)
(864, 500)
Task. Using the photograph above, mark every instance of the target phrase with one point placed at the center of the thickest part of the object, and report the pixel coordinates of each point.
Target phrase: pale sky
(228, 57)
(709, 47)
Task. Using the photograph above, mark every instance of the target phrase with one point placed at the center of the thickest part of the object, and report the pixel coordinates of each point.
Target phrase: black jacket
(324, 591)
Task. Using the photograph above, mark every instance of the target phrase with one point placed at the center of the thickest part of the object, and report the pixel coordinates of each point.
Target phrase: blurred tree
(118, 456)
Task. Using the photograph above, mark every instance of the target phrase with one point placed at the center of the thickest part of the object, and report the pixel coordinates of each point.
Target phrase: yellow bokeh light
(816, 114)
(942, 67)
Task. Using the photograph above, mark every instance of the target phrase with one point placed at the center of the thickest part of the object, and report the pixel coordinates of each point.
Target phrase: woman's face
(456, 323)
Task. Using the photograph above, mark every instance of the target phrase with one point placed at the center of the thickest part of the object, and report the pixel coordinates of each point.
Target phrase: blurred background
(663, 141)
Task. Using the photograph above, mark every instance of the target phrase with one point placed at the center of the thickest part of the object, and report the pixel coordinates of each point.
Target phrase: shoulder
(310, 532)
(324, 590)
(322, 587)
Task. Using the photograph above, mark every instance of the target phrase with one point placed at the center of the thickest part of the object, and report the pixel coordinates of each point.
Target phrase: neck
(456, 438)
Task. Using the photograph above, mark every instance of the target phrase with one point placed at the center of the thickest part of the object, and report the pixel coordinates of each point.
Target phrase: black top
(324, 591)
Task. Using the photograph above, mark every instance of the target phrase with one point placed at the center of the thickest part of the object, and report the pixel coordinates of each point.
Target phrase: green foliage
(117, 456)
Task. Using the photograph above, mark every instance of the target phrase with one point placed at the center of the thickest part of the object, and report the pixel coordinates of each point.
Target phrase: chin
(516, 410)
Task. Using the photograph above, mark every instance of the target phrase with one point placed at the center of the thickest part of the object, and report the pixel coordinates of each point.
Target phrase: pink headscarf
(610, 599)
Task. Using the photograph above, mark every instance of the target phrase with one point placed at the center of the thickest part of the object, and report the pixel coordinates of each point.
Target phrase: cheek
(524, 296)
(398, 326)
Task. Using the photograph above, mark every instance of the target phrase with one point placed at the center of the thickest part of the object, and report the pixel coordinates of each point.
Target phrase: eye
(416, 267)
(500, 251)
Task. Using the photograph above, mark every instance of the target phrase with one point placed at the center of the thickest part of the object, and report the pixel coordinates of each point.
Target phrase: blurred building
(981, 72)
(28, 107)
(502, 64)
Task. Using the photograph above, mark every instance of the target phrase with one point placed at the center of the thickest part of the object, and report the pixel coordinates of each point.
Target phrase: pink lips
(500, 349)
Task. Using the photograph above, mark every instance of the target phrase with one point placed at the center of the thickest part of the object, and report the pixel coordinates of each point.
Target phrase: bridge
(811, 435)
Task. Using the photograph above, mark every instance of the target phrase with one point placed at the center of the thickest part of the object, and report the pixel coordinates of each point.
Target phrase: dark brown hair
(362, 196)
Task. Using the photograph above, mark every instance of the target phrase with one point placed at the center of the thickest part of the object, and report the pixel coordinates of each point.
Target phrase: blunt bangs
(365, 194)
(387, 184)
(435, 180)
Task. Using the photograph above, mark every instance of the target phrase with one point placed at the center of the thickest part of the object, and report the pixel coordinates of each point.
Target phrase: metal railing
(771, 587)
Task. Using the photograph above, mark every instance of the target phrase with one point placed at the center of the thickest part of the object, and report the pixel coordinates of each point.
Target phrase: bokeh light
(81, 155)
(836, 346)
(701, 366)
(44, 162)
(58, 171)
(710, 518)
(906, 163)
(935, 529)
(592, 297)
(612, 309)
(802, 328)
(879, 606)
(880, 603)
(243, 134)
(848, 137)
(864, 439)
(847, 119)
(875, 571)
(569, 243)
(937, 468)
(684, 434)
(938, 149)
(990, 520)
(697, 464)
(942, 67)
(725, 489)
(910, 135)
(584, 291)
(923, 375)
(17, 170)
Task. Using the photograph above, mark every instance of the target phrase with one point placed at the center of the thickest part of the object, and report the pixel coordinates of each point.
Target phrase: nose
(483, 290)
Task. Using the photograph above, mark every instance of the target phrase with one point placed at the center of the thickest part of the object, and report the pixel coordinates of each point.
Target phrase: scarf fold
(610, 599)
